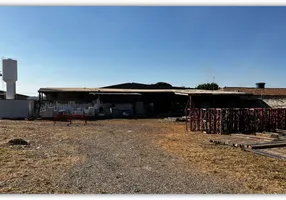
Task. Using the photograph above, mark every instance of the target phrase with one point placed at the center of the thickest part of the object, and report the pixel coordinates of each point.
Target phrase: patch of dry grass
(257, 173)
(38, 167)
(52, 152)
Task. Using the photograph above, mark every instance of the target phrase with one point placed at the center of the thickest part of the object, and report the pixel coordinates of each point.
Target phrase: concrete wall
(14, 109)
(275, 102)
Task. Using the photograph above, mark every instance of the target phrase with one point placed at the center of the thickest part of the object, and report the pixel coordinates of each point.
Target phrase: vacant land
(128, 156)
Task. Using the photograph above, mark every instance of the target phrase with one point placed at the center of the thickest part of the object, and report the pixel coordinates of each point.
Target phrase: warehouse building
(116, 102)
(132, 100)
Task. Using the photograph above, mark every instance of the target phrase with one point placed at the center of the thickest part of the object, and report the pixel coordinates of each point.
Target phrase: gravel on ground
(124, 157)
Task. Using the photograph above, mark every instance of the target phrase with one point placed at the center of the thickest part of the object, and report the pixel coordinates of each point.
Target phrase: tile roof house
(274, 97)
(258, 91)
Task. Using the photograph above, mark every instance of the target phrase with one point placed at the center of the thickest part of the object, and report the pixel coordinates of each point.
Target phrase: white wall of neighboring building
(15, 109)
(275, 102)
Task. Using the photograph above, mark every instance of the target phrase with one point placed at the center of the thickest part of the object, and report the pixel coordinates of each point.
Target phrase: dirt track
(124, 159)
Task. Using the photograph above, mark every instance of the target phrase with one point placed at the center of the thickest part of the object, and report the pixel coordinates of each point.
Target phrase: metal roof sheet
(115, 93)
(115, 90)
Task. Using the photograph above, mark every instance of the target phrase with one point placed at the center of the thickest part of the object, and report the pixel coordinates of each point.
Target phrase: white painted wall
(14, 108)
(276, 102)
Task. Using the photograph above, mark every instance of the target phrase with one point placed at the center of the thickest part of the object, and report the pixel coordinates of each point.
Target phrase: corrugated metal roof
(208, 92)
(114, 90)
(115, 93)
(101, 90)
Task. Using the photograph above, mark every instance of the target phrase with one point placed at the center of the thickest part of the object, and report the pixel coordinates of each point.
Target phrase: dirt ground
(128, 156)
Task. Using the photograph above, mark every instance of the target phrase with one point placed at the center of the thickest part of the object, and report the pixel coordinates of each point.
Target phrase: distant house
(274, 97)
(18, 96)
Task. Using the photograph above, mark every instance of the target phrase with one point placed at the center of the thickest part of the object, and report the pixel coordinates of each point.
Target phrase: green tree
(208, 86)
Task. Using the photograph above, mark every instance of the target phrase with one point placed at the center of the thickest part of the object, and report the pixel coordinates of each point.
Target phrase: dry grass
(257, 173)
(55, 149)
(35, 168)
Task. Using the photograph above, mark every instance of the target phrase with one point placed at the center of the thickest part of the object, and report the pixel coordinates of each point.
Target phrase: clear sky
(185, 46)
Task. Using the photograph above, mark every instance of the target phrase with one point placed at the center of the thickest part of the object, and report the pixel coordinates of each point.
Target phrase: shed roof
(102, 90)
(208, 92)
(116, 90)
(115, 93)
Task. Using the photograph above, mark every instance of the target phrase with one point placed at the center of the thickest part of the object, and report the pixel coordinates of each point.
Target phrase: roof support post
(188, 112)
(40, 103)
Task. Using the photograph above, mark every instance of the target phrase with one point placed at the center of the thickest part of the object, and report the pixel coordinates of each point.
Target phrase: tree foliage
(208, 86)
(163, 85)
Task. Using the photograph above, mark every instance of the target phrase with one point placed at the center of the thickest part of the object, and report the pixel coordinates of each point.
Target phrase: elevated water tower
(10, 76)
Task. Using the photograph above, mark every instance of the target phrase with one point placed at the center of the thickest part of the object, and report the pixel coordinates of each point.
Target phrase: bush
(208, 86)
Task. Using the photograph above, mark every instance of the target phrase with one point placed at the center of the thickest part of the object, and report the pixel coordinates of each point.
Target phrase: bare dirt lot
(128, 156)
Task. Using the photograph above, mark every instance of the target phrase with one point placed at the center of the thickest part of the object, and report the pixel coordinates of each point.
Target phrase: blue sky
(185, 46)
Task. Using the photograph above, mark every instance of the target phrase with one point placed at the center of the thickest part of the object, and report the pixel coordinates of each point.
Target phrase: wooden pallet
(239, 140)
(267, 154)
(273, 144)
(260, 145)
